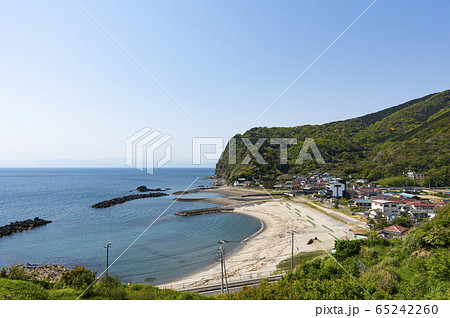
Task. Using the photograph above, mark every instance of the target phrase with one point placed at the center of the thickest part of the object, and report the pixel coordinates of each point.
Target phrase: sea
(140, 252)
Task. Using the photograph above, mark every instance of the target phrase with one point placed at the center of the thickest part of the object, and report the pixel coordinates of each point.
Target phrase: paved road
(345, 217)
(335, 213)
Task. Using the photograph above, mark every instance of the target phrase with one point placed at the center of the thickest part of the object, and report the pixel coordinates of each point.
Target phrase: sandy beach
(260, 254)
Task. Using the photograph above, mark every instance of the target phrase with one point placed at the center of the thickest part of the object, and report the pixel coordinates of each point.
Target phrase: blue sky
(67, 91)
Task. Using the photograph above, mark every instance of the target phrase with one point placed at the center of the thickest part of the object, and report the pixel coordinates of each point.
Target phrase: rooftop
(382, 201)
(407, 195)
(395, 229)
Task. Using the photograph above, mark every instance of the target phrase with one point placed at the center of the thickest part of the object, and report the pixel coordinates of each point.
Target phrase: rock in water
(19, 226)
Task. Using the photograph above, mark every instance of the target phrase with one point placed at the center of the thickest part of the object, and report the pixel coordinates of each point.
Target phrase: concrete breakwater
(19, 226)
(191, 191)
(120, 200)
(205, 211)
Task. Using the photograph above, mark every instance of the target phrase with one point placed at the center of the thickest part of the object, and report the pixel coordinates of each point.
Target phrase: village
(382, 205)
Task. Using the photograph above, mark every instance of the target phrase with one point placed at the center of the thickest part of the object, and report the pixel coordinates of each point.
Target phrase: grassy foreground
(34, 290)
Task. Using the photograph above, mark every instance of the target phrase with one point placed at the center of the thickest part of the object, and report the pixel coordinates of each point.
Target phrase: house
(367, 192)
(395, 230)
(414, 175)
(329, 179)
(363, 181)
(443, 202)
(385, 206)
(420, 210)
(408, 196)
(362, 203)
(387, 209)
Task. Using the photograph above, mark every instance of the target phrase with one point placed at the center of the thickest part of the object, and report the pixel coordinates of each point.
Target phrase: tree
(402, 220)
(381, 223)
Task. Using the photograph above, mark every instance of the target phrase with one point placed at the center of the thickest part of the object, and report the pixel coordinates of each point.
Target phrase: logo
(143, 147)
(201, 145)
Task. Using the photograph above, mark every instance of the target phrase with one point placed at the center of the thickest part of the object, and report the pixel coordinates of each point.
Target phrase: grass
(299, 259)
(11, 289)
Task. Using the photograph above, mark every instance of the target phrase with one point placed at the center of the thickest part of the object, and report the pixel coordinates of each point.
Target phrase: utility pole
(222, 267)
(107, 256)
(292, 248)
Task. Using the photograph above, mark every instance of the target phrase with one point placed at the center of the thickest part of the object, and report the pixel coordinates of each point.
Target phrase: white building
(337, 189)
(385, 206)
(388, 209)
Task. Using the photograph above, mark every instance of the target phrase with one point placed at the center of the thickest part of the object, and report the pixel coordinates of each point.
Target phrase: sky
(72, 90)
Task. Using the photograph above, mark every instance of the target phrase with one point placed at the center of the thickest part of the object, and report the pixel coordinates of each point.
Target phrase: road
(334, 213)
(232, 287)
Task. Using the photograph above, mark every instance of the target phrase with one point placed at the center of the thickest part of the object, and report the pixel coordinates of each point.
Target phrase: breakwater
(191, 191)
(20, 226)
(120, 200)
(205, 211)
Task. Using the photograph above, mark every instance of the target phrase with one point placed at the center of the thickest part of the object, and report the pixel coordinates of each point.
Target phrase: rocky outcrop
(112, 202)
(19, 226)
(51, 273)
(143, 188)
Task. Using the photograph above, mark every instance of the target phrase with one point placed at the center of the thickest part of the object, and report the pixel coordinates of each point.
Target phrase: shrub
(17, 272)
(438, 265)
(345, 249)
(79, 277)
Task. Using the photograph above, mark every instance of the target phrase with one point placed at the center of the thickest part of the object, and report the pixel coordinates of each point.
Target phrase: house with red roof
(394, 230)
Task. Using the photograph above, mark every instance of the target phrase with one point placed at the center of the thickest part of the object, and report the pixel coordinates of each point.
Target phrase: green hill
(413, 135)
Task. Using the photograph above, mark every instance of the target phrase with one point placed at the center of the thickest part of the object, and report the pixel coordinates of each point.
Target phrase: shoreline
(264, 250)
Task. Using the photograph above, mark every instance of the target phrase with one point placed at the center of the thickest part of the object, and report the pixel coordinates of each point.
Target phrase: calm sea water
(172, 248)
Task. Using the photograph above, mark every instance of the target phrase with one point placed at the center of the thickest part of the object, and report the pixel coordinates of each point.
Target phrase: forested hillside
(411, 136)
